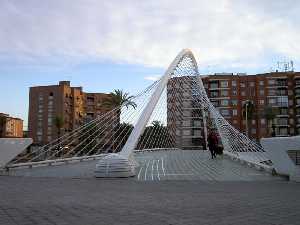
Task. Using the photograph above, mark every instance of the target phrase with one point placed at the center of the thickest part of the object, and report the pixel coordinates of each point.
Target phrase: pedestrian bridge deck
(162, 165)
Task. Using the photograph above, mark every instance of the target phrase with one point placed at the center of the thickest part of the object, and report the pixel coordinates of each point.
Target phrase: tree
(119, 98)
(270, 114)
(59, 123)
(248, 113)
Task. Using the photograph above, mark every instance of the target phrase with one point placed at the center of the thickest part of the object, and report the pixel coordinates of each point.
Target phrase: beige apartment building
(10, 127)
(278, 91)
(70, 103)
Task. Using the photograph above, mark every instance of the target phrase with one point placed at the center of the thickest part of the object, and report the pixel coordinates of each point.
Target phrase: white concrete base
(11, 147)
(277, 149)
(114, 166)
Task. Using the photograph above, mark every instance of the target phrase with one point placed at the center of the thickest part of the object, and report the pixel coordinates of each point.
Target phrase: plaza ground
(27, 200)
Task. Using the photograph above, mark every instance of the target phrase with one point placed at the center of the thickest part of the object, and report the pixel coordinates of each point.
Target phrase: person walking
(212, 140)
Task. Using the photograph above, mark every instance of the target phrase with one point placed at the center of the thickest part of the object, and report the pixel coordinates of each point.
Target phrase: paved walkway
(45, 201)
(194, 165)
(163, 165)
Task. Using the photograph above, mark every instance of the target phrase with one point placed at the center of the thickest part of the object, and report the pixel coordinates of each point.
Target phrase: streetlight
(247, 102)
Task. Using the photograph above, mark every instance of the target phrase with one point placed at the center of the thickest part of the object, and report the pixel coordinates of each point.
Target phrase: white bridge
(121, 142)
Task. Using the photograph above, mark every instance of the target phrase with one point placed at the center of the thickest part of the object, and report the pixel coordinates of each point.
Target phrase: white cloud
(152, 78)
(149, 32)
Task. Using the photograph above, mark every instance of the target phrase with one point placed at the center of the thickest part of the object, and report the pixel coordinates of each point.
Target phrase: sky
(126, 44)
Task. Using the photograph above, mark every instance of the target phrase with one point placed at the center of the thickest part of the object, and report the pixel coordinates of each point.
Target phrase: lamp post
(246, 113)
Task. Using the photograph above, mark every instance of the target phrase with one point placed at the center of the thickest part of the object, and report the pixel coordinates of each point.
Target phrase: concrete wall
(11, 147)
(277, 149)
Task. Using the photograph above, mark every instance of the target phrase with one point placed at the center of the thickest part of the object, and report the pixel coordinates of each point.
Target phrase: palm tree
(248, 113)
(118, 99)
(270, 114)
(59, 123)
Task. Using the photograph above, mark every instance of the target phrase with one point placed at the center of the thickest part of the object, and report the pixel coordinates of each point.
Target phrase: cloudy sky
(103, 45)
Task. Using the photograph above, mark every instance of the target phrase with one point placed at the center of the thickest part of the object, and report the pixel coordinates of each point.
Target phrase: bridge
(145, 138)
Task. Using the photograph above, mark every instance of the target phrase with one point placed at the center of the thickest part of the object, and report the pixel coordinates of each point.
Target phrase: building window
(224, 102)
(272, 101)
(214, 84)
(234, 102)
(253, 122)
(39, 138)
(235, 121)
(283, 131)
(197, 132)
(242, 84)
(197, 123)
(283, 101)
(224, 83)
(214, 94)
(186, 123)
(262, 121)
(261, 102)
(271, 82)
(234, 112)
(243, 93)
(233, 83)
(261, 83)
(225, 112)
(298, 101)
(253, 131)
(186, 132)
(224, 93)
(252, 84)
(261, 92)
(234, 92)
(271, 92)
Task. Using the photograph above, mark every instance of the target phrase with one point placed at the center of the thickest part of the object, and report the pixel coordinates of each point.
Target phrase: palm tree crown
(120, 98)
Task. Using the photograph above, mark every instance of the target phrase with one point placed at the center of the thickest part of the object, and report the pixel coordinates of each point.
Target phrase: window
(283, 131)
(39, 138)
(234, 112)
(271, 92)
(297, 91)
(224, 93)
(186, 132)
(272, 101)
(233, 83)
(197, 123)
(243, 93)
(197, 132)
(215, 103)
(242, 84)
(283, 101)
(282, 121)
(261, 102)
(224, 102)
(252, 84)
(234, 92)
(224, 83)
(262, 121)
(298, 101)
(186, 123)
(253, 122)
(214, 94)
(234, 102)
(261, 83)
(235, 121)
(225, 112)
(291, 121)
(253, 131)
(214, 84)
(261, 92)
(271, 82)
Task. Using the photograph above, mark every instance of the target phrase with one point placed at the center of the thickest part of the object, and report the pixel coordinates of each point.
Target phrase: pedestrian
(212, 140)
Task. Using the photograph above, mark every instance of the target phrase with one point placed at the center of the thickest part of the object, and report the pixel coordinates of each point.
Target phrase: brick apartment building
(10, 127)
(70, 103)
(279, 91)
